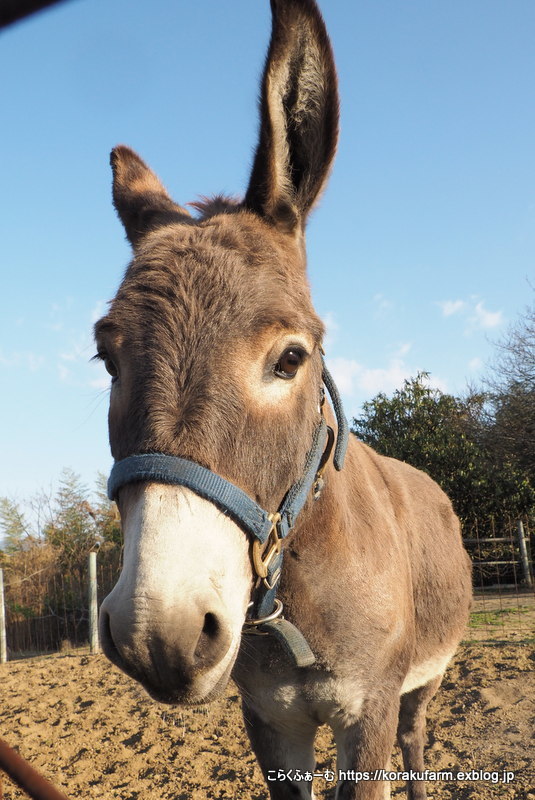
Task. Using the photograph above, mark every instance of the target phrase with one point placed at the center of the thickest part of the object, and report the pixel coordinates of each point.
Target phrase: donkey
(222, 444)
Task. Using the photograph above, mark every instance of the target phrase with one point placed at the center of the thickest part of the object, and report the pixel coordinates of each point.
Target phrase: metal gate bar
(26, 777)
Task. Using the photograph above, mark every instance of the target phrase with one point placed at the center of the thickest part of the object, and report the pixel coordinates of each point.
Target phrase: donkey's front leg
(411, 733)
(363, 751)
(285, 756)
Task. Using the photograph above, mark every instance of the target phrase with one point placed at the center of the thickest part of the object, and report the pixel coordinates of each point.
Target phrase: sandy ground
(96, 734)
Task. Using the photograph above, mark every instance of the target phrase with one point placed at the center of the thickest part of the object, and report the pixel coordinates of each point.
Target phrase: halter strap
(342, 435)
(268, 530)
(161, 468)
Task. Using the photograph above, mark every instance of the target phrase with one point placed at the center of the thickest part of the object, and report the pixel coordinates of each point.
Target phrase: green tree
(512, 434)
(446, 436)
(107, 514)
(71, 528)
(15, 529)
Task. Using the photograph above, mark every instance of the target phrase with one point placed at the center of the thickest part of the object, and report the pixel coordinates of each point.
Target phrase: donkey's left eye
(108, 364)
(111, 368)
(289, 363)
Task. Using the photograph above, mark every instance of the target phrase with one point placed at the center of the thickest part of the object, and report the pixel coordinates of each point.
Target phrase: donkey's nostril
(212, 642)
(211, 625)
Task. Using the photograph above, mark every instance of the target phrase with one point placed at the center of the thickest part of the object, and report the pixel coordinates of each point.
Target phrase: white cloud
(331, 330)
(344, 372)
(358, 382)
(55, 316)
(101, 379)
(483, 318)
(475, 364)
(435, 382)
(382, 303)
(64, 373)
(26, 359)
(385, 379)
(34, 361)
(450, 307)
(80, 349)
(100, 383)
(475, 315)
(352, 377)
(6, 361)
(403, 349)
(98, 310)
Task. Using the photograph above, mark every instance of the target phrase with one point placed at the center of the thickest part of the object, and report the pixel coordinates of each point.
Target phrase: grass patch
(480, 619)
(529, 641)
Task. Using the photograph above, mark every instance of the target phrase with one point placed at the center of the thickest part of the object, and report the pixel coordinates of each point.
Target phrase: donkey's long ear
(299, 116)
(140, 199)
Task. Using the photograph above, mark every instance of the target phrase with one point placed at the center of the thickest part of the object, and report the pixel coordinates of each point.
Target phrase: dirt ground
(95, 733)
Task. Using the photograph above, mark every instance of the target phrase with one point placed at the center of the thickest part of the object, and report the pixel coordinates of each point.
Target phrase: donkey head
(213, 348)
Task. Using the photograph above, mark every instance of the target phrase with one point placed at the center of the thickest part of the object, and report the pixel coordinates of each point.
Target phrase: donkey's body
(214, 349)
(385, 619)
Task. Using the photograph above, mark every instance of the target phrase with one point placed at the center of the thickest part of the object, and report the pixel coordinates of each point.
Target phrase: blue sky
(420, 252)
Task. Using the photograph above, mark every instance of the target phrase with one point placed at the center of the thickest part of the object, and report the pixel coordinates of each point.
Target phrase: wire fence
(504, 588)
(47, 608)
(501, 553)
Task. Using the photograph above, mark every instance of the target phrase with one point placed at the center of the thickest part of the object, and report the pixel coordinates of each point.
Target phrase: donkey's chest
(320, 698)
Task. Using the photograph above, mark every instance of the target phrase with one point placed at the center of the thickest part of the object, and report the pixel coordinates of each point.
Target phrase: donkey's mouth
(177, 690)
(164, 672)
(188, 695)
(199, 690)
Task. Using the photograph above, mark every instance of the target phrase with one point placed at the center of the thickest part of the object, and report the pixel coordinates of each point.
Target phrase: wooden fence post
(3, 641)
(528, 577)
(93, 604)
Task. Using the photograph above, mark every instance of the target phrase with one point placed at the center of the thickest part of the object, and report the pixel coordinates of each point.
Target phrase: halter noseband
(267, 530)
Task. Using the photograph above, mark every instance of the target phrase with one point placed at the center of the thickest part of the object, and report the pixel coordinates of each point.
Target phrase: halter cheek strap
(267, 530)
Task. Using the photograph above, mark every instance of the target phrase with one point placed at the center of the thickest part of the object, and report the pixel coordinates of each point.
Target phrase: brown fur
(375, 574)
(190, 295)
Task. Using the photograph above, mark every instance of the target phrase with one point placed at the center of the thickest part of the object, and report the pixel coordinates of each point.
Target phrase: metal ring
(274, 614)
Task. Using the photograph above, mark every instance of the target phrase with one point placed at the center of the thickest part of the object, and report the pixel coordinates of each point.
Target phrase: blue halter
(267, 530)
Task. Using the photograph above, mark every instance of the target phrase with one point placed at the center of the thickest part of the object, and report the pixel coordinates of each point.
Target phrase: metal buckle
(274, 580)
(263, 554)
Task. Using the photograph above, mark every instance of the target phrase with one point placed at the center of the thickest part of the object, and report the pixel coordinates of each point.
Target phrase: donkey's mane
(216, 204)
